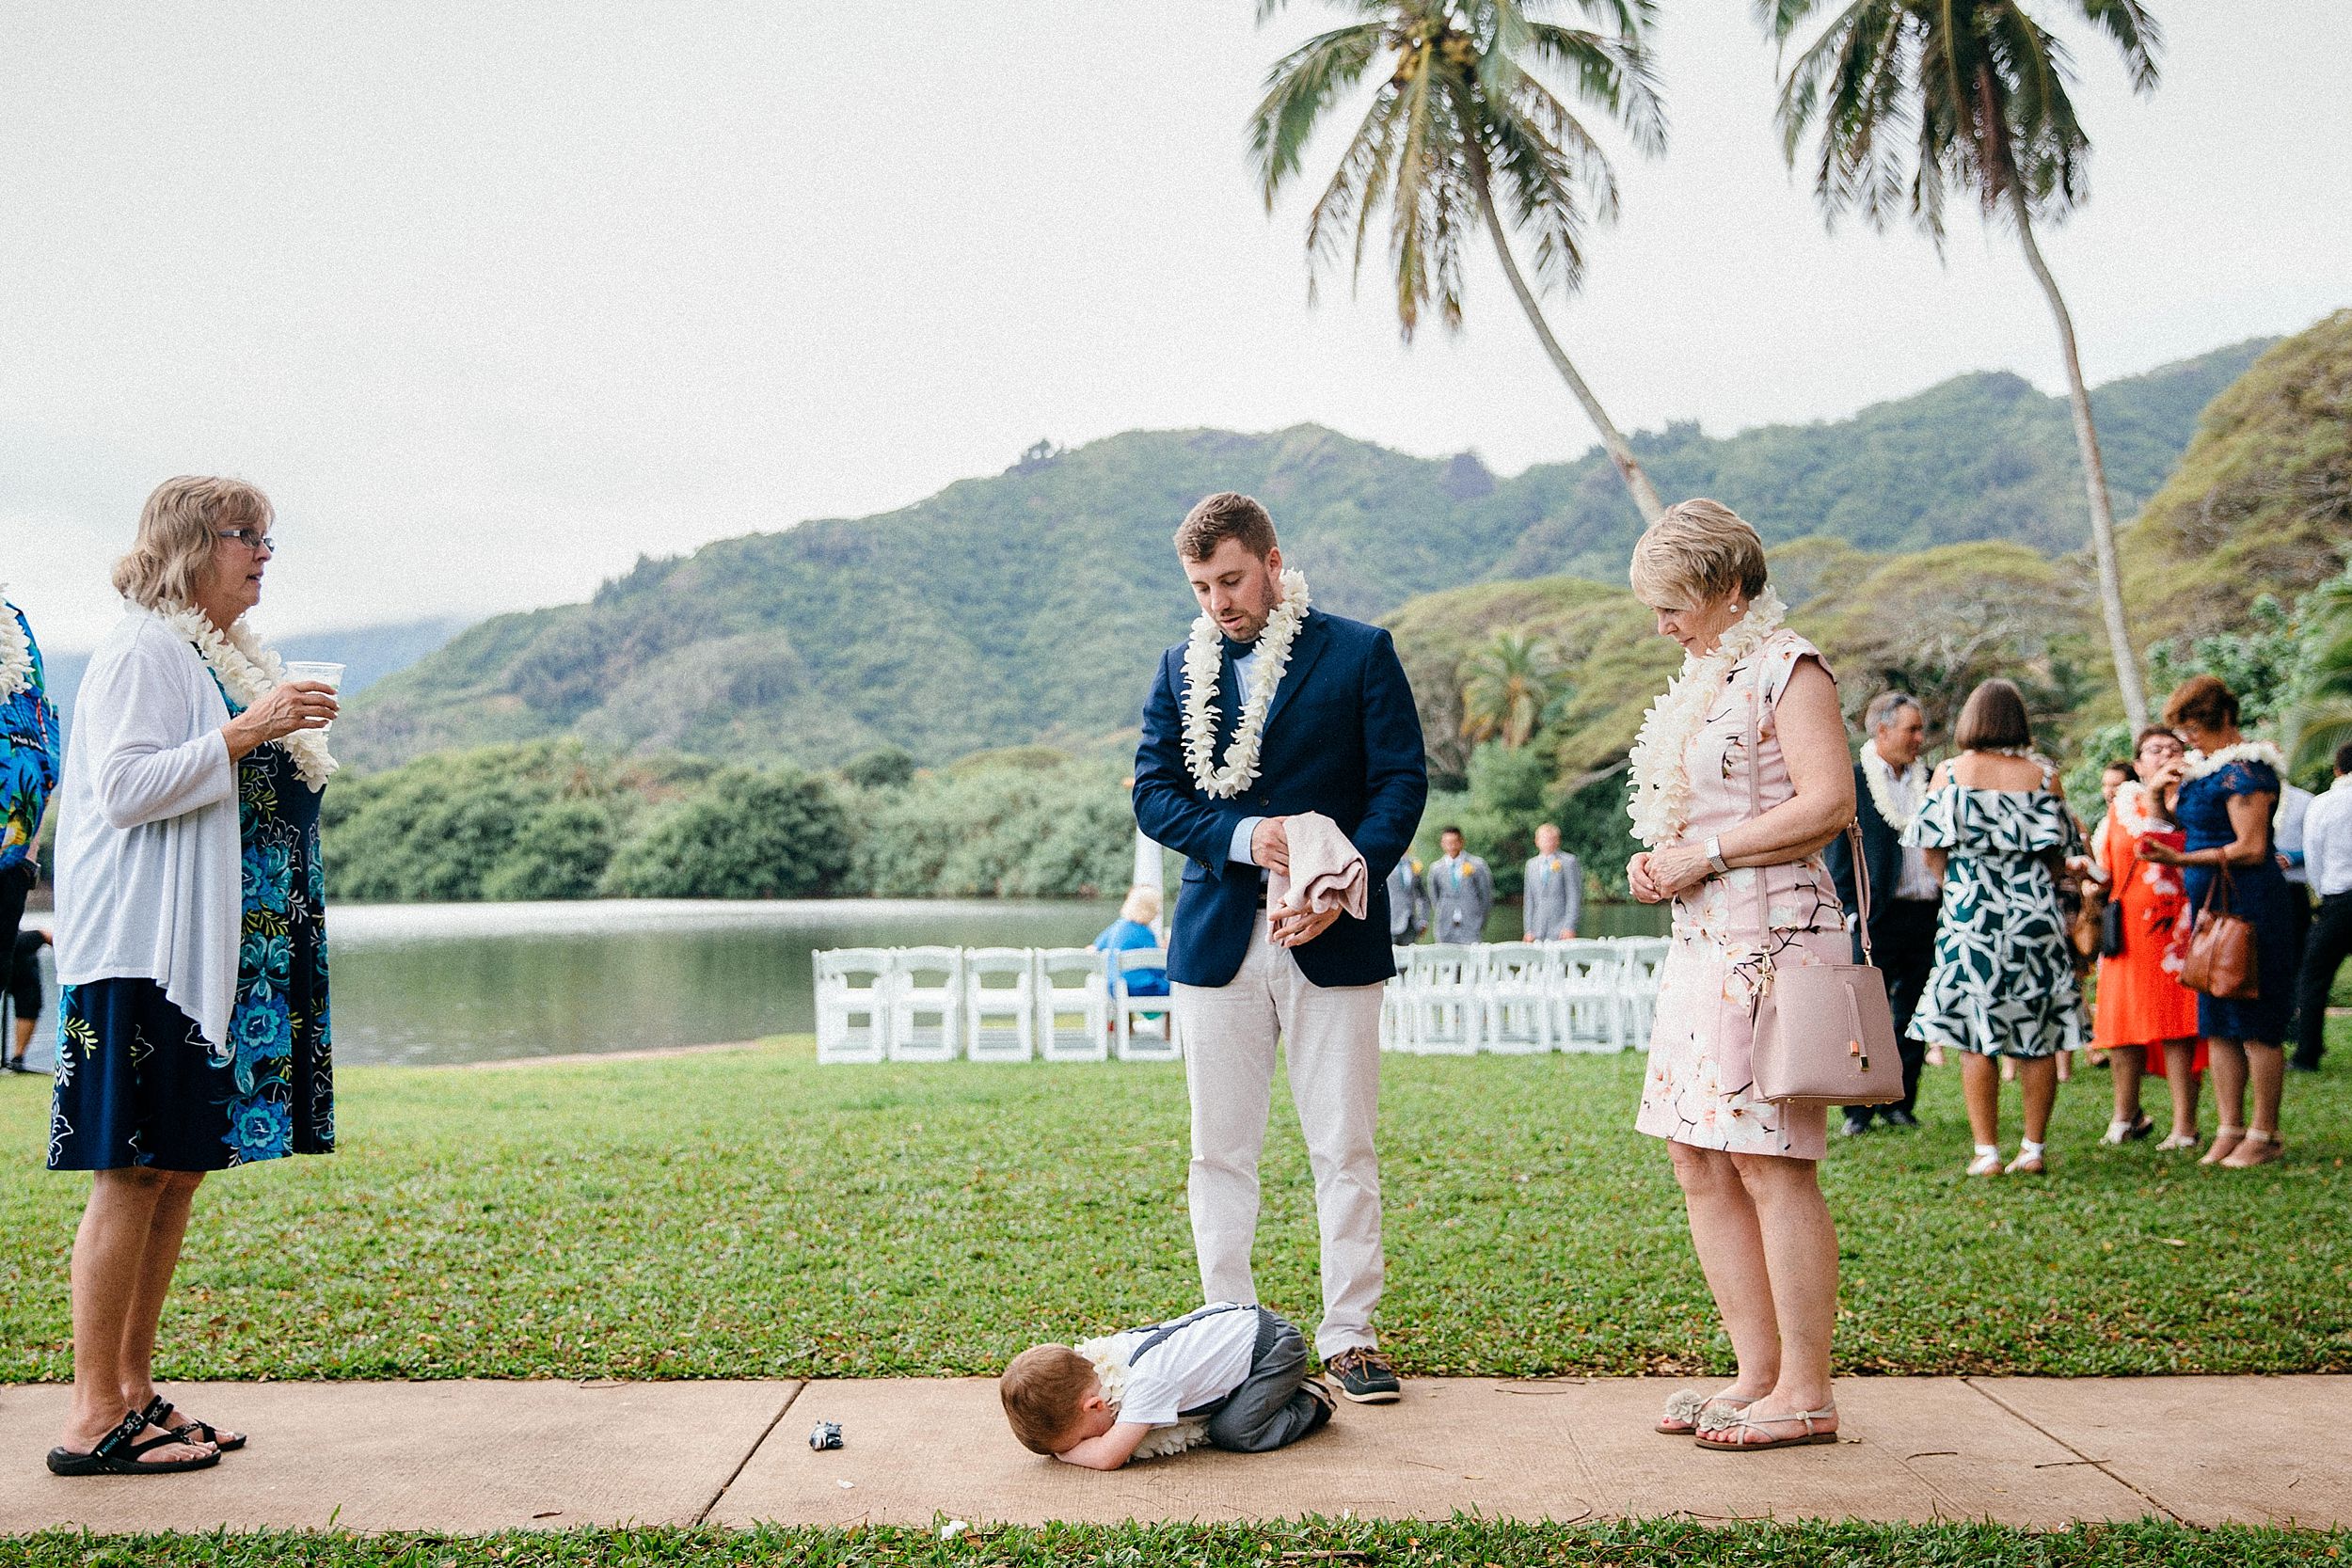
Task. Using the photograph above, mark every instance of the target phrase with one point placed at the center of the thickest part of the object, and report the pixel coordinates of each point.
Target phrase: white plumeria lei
(1660, 806)
(1112, 1373)
(248, 672)
(1879, 774)
(2200, 764)
(1204, 662)
(16, 653)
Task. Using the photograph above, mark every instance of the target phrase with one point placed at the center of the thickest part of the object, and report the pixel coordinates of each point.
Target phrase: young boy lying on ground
(1230, 1375)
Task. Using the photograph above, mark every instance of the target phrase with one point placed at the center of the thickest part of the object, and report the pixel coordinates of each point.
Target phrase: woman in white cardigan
(191, 946)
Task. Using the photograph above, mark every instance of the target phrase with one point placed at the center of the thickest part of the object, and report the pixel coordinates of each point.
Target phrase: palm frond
(1616, 71)
(1357, 188)
(1300, 88)
(2134, 32)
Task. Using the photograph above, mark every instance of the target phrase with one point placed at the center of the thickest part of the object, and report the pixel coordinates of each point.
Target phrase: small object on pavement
(825, 1434)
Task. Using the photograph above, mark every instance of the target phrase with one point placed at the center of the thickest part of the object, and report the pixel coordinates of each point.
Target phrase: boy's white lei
(16, 653)
(1878, 773)
(1660, 806)
(1204, 662)
(2245, 751)
(1112, 1373)
(248, 672)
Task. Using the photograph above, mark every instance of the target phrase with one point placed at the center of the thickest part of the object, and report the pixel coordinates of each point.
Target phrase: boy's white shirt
(1198, 1365)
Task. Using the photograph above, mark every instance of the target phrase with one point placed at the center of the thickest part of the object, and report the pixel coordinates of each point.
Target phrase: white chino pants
(1332, 1037)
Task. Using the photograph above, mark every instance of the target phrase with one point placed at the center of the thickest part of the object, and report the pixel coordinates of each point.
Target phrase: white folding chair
(999, 1004)
(1517, 997)
(853, 987)
(1586, 1011)
(1639, 961)
(1152, 1043)
(1396, 1015)
(1442, 994)
(926, 1005)
(1070, 983)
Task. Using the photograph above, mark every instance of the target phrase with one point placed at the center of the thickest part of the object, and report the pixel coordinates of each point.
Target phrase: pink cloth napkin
(1326, 869)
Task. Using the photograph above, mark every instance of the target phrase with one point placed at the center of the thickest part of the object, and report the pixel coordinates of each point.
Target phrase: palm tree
(2321, 719)
(1510, 687)
(1912, 96)
(1463, 129)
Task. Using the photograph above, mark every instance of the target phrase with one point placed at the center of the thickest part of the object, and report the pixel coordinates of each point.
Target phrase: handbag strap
(1755, 698)
(2221, 892)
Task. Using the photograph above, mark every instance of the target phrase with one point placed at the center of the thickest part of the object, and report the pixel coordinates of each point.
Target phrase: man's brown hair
(1227, 515)
(2204, 700)
(1993, 718)
(1043, 1390)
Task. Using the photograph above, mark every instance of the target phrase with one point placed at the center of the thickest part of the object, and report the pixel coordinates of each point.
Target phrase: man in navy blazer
(1339, 735)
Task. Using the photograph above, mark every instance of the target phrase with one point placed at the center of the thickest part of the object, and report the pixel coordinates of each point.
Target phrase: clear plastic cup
(324, 671)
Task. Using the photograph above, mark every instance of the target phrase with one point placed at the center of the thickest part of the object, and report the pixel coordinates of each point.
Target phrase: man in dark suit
(1905, 894)
(1336, 734)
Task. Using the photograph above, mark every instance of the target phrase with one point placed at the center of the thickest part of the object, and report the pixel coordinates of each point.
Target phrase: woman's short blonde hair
(1143, 905)
(175, 538)
(1699, 551)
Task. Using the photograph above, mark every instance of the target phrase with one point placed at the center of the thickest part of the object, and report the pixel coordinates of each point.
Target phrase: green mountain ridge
(1026, 607)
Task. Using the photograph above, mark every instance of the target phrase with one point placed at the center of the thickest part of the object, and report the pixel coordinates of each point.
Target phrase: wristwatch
(1715, 857)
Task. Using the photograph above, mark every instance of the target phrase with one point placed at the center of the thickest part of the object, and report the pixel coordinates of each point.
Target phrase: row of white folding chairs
(989, 1004)
(1511, 998)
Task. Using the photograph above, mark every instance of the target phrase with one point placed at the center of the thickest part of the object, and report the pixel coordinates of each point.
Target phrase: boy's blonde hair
(1043, 1391)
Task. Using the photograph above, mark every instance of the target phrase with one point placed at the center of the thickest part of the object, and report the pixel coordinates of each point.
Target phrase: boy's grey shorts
(1270, 1408)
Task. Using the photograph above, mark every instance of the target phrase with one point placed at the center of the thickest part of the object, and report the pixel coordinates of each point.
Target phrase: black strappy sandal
(188, 1431)
(118, 1455)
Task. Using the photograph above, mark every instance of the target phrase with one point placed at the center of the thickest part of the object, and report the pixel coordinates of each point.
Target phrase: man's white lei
(1204, 662)
(2245, 751)
(16, 653)
(1660, 806)
(248, 672)
(1112, 1373)
(1879, 774)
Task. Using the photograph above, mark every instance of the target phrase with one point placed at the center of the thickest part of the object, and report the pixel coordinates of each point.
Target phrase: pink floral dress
(1700, 1089)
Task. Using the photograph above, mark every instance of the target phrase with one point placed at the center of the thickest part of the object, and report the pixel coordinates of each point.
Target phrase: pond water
(432, 984)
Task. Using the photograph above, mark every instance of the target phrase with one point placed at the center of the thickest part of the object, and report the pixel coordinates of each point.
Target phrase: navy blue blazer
(1341, 738)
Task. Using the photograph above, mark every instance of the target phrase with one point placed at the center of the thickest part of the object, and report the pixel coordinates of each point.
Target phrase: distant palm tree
(1911, 96)
(2321, 719)
(1462, 129)
(1510, 687)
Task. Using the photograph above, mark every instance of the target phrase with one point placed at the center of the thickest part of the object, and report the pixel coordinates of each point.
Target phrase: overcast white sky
(492, 298)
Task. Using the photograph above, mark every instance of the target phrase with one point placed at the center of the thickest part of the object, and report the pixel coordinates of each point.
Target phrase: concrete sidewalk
(465, 1457)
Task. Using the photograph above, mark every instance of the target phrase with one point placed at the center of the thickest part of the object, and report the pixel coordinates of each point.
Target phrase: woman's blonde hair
(175, 537)
(1143, 905)
(1697, 552)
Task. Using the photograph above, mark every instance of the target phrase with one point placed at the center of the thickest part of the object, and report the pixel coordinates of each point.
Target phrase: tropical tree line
(1474, 128)
(555, 821)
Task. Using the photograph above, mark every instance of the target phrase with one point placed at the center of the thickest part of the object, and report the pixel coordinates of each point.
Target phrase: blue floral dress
(28, 754)
(137, 1084)
(2003, 982)
(2263, 896)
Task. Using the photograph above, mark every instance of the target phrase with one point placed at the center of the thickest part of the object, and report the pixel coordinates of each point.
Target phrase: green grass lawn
(753, 1214)
(1314, 1544)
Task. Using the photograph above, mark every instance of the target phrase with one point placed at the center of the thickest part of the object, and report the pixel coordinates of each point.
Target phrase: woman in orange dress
(2146, 1019)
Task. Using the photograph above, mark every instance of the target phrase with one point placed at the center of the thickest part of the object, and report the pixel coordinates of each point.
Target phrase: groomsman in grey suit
(1555, 890)
(1408, 906)
(1461, 890)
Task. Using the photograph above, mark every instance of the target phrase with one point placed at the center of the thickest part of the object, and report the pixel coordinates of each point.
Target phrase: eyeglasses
(251, 538)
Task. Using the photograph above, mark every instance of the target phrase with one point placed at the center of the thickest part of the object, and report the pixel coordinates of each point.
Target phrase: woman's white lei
(248, 672)
(1878, 773)
(1112, 1373)
(16, 653)
(1204, 661)
(1660, 806)
(2245, 751)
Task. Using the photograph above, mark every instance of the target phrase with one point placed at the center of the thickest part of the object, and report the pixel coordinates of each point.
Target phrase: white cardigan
(149, 864)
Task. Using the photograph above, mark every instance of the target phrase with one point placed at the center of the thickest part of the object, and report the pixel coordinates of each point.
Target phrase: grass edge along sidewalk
(1304, 1543)
(750, 1214)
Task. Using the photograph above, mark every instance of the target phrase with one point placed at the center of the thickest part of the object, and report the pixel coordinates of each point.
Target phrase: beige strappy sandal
(1687, 1407)
(2255, 1149)
(1739, 1423)
(2224, 1144)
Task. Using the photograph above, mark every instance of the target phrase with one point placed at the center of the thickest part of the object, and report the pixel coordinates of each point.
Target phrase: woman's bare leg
(1981, 1086)
(1799, 1245)
(2038, 1077)
(2182, 1083)
(1729, 1240)
(2125, 1064)
(109, 1261)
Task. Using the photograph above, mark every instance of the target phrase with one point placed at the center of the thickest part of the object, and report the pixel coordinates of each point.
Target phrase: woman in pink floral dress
(1721, 820)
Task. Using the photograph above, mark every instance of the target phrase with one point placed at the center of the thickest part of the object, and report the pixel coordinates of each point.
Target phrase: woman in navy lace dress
(2228, 789)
